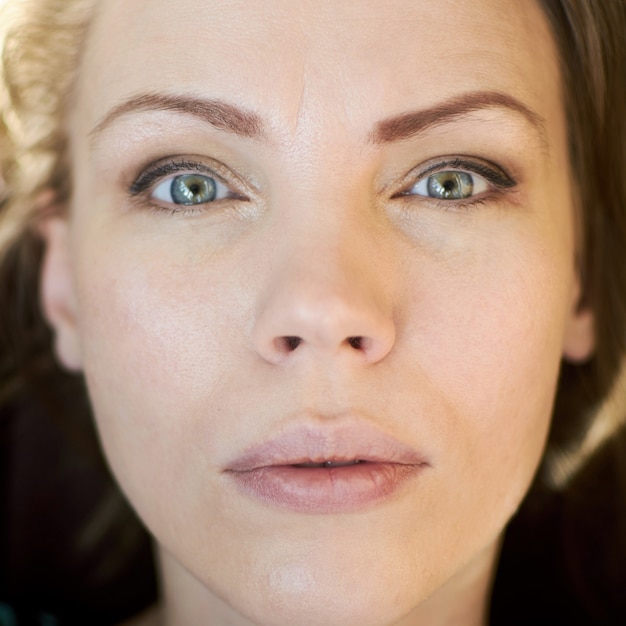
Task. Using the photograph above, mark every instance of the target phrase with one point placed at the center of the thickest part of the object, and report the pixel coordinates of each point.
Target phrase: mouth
(330, 464)
(327, 470)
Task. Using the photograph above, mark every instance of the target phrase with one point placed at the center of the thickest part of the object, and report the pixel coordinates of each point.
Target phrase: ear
(580, 338)
(58, 297)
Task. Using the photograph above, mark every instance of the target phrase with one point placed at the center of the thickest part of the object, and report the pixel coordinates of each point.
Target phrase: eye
(184, 185)
(449, 185)
(190, 189)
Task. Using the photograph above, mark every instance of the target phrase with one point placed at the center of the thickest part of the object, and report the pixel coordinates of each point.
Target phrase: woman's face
(319, 231)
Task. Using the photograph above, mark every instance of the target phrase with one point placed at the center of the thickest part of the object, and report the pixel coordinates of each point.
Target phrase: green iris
(189, 189)
(450, 185)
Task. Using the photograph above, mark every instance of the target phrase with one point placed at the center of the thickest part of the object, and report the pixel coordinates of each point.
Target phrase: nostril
(291, 342)
(356, 342)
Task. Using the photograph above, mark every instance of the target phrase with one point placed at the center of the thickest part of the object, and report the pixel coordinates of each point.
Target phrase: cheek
(158, 339)
(478, 351)
(490, 340)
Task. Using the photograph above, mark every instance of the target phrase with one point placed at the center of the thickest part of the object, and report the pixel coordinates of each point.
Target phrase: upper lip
(316, 443)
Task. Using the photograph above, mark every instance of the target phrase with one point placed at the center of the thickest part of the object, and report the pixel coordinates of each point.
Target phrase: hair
(585, 458)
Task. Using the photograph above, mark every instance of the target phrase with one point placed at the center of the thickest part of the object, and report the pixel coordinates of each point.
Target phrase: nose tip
(323, 322)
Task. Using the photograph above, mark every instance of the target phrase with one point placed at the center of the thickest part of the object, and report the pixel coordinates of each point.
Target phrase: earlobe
(580, 338)
(58, 297)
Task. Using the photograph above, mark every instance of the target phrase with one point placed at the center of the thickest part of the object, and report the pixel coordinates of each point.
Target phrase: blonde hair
(42, 42)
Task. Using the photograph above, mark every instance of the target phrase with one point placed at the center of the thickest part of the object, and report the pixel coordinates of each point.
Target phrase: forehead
(317, 60)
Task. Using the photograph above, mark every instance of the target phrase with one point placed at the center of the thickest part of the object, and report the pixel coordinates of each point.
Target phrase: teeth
(340, 463)
(330, 463)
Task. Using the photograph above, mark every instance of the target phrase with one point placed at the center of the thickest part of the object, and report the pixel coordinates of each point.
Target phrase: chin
(327, 591)
(355, 605)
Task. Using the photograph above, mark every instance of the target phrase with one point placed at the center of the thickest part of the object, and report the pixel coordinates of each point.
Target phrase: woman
(341, 279)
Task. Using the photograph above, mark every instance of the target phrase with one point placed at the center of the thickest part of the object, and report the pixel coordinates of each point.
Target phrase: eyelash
(159, 172)
(495, 176)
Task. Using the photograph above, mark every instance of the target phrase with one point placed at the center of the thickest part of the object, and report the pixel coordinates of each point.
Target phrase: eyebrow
(233, 119)
(220, 114)
(407, 125)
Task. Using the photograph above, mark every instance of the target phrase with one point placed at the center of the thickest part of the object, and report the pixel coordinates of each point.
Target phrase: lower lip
(338, 489)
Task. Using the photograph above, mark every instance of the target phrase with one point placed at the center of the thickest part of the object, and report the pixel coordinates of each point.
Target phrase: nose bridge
(328, 291)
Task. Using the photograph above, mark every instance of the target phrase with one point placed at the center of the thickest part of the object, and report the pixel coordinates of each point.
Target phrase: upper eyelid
(494, 174)
(159, 171)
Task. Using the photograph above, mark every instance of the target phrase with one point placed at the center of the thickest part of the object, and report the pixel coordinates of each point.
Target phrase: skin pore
(327, 286)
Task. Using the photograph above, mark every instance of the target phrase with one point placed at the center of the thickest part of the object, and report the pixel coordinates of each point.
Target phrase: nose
(324, 301)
